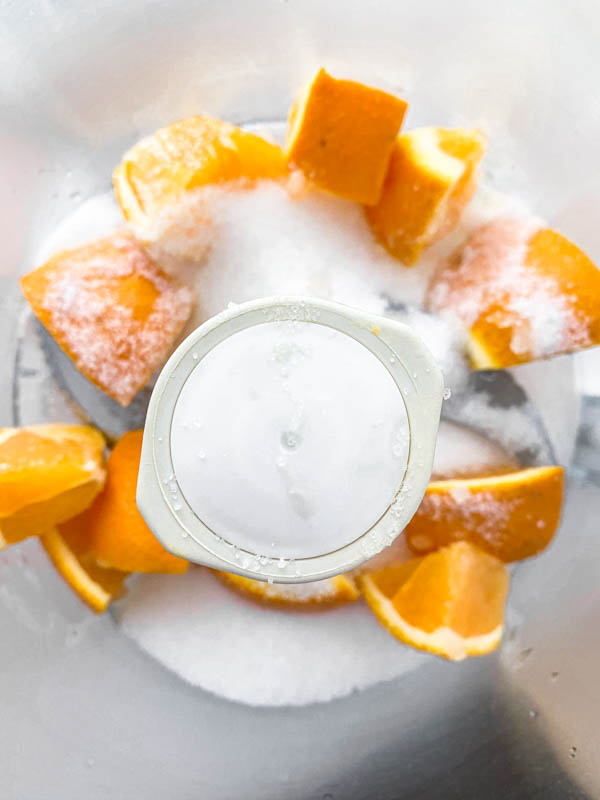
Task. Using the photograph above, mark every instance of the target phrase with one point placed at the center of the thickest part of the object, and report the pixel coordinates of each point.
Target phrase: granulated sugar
(269, 243)
(234, 648)
(460, 452)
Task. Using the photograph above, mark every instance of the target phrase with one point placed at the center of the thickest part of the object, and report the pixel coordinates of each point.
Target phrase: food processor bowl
(83, 710)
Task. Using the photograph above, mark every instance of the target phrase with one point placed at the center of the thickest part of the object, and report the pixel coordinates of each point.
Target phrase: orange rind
(432, 175)
(523, 291)
(97, 586)
(312, 595)
(511, 516)
(112, 531)
(111, 309)
(48, 473)
(450, 602)
(341, 134)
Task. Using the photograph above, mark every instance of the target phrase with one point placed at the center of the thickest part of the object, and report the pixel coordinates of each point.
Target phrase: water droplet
(160, 438)
(533, 714)
(573, 751)
(270, 580)
(202, 455)
(282, 563)
(195, 356)
(392, 360)
(291, 440)
(177, 506)
(447, 394)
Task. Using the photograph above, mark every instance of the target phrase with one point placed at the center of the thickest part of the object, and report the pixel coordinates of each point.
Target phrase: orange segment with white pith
(312, 595)
(522, 290)
(511, 516)
(48, 473)
(341, 134)
(432, 175)
(188, 154)
(450, 602)
(97, 586)
(113, 311)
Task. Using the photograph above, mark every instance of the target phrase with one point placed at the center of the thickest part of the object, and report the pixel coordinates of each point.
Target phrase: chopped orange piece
(341, 135)
(524, 292)
(111, 309)
(450, 602)
(97, 586)
(512, 516)
(48, 473)
(314, 594)
(432, 176)
(185, 155)
(112, 530)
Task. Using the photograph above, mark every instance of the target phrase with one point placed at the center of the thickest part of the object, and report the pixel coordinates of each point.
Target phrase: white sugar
(234, 648)
(267, 243)
(461, 452)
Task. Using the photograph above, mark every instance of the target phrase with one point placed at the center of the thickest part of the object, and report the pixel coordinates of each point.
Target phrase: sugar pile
(227, 645)
(461, 452)
(268, 242)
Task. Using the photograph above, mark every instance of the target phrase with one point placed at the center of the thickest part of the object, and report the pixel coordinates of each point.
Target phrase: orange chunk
(95, 585)
(112, 530)
(524, 292)
(186, 155)
(48, 473)
(111, 309)
(314, 595)
(341, 135)
(512, 516)
(433, 174)
(450, 602)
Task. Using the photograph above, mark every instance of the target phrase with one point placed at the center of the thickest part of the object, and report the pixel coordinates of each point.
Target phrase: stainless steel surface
(85, 713)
